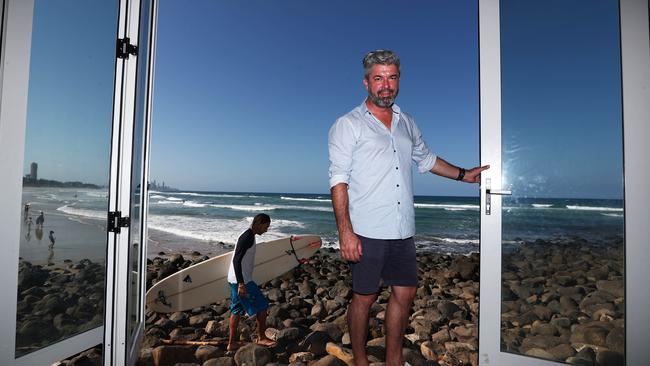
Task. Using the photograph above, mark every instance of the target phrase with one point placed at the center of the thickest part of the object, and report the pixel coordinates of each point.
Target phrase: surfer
(371, 150)
(245, 295)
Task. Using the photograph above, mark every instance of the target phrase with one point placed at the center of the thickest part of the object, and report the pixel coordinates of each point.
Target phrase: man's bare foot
(266, 342)
(232, 347)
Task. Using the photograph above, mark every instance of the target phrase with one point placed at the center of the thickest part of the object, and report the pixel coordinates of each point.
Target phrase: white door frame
(17, 21)
(635, 64)
(16, 51)
(116, 349)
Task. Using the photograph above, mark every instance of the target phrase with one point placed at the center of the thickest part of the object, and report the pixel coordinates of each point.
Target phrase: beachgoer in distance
(26, 214)
(245, 296)
(52, 239)
(29, 224)
(371, 150)
(40, 220)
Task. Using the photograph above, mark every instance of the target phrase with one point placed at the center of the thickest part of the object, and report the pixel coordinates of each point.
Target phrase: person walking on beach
(245, 296)
(26, 214)
(52, 239)
(40, 220)
(371, 149)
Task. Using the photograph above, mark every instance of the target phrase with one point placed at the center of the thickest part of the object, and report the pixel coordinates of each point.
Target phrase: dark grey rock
(172, 355)
(253, 355)
(221, 361)
(315, 342)
(204, 353)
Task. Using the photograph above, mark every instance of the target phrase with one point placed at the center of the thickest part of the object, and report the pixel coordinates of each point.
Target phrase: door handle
(489, 192)
(500, 192)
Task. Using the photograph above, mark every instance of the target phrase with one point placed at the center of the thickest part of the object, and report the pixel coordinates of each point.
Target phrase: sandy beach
(76, 237)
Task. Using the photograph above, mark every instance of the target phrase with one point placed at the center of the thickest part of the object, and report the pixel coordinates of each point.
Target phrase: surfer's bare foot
(266, 342)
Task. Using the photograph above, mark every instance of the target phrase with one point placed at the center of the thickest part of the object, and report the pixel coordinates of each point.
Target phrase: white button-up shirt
(375, 162)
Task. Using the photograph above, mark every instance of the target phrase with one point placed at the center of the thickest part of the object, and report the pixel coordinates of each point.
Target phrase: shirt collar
(364, 108)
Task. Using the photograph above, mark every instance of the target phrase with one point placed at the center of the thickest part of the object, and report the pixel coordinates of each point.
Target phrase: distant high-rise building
(33, 174)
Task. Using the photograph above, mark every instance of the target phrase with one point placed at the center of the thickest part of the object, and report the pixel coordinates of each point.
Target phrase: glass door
(73, 147)
(124, 321)
(553, 223)
(63, 151)
(139, 181)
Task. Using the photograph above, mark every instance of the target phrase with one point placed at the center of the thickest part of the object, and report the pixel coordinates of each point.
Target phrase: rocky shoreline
(307, 318)
(561, 300)
(564, 301)
(57, 301)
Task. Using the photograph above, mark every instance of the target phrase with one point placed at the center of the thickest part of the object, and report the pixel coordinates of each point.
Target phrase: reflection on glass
(67, 152)
(563, 238)
(135, 254)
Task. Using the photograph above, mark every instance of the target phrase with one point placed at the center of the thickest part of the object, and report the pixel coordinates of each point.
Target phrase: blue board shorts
(393, 261)
(251, 304)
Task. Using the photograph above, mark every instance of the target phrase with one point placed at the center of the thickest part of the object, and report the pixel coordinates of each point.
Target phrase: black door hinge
(116, 222)
(125, 48)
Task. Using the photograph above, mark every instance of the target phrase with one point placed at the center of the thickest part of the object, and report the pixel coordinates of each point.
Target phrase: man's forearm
(445, 169)
(340, 205)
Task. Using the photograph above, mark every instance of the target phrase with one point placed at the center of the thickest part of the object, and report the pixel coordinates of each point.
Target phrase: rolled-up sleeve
(422, 156)
(340, 144)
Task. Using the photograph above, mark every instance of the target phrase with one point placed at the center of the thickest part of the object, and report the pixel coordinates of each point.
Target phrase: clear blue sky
(72, 72)
(245, 92)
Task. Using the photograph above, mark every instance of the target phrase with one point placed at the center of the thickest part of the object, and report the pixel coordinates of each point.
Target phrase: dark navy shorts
(253, 303)
(390, 260)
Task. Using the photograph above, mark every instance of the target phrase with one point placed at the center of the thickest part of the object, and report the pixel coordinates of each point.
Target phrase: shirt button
(398, 202)
(398, 185)
(396, 168)
(394, 150)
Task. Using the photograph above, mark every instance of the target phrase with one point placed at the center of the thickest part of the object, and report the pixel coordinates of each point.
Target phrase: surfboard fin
(162, 299)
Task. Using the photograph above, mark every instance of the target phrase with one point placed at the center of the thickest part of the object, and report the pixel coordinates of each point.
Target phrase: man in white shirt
(371, 150)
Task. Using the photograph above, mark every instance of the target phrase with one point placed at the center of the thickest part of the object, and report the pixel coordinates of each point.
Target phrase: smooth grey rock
(204, 353)
(253, 355)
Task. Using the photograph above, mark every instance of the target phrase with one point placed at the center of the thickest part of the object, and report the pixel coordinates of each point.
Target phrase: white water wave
(168, 202)
(305, 199)
(157, 196)
(261, 207)
(542, 205)
(612, 214)
(193, 204)
(216, 230)
(92, 214)
(219, 195)
(457, 241)
(591, 208)
(99, 194)
(447, 207)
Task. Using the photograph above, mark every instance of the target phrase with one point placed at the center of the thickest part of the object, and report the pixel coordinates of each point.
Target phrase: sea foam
(591, 208)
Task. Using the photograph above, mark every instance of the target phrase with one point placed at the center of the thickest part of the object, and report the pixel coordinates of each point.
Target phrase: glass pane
(563, 227)
(135, 253)
(67, 154)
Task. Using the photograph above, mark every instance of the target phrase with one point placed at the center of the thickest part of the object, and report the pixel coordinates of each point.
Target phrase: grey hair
(380, 57)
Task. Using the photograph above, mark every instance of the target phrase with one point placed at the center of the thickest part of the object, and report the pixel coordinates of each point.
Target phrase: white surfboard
(207, 282)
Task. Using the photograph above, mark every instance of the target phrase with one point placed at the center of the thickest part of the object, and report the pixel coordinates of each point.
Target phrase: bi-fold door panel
(553, 242)
(67, 121)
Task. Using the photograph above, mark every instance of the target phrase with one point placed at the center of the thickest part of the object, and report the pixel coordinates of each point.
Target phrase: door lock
(489, 192)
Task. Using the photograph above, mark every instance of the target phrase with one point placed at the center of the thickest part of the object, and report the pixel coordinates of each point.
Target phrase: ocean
(443, 224)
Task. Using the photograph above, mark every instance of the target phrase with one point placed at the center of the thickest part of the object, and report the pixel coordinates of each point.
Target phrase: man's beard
(383, 102)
